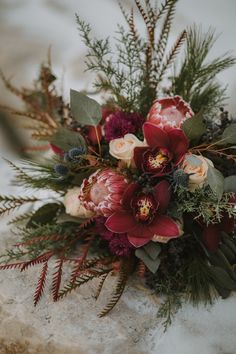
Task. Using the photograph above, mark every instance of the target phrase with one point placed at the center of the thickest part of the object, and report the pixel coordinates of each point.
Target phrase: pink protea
(102, 192)
(168, 113)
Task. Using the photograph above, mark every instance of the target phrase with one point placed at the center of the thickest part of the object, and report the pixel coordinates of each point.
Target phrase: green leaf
(153, 249)
(85, 110)
(66, 139)
(230, 184)
(215, 180)
(229, 134)
(149, 254)
(66, 218)
(222, 278)
(44, 215)
(194, 127)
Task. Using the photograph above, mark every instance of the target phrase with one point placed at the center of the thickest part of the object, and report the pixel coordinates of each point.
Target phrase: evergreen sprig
(195, 80)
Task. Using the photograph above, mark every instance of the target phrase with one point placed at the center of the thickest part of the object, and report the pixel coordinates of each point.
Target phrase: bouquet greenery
(144, 184)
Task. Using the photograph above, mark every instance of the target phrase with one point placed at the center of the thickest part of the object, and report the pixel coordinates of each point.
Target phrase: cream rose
(73, 204)
(197, 167)
(123, 148)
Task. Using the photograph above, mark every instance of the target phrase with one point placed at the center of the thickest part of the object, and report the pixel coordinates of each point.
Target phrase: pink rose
(170, 112)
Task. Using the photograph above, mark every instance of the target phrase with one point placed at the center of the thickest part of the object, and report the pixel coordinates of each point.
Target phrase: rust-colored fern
(56, 282)
(41, 283)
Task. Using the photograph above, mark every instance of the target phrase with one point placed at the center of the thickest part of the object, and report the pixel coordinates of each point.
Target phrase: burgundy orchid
(165, 149)
(142, 215)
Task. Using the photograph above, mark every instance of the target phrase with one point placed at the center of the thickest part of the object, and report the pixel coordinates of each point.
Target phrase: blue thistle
(61, 170)
(76, 152)
(181, 178)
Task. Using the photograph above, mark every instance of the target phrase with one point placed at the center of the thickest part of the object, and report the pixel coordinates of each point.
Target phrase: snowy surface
(27, 28)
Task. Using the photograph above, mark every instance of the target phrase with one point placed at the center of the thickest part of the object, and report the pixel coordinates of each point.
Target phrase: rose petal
(155, 136)
(162, 195)
(120, 222)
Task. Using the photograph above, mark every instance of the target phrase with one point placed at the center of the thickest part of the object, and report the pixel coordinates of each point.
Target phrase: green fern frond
(11, 203)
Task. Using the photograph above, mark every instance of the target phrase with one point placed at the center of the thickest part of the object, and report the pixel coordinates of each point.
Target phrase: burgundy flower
(169, 113)
(102, 230)
(212, 233)
(120, 123)
(120, 246)
(142, 215)
(164, 150)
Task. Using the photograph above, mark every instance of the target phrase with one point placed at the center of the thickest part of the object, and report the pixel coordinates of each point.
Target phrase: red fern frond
(57, 279)
(41, 283)
(141, 269)
(81, 260)
(40, 259)
(12, 266)
(38, 239)
(87, 223)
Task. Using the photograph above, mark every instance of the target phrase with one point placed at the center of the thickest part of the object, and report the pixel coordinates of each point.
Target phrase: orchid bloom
(165, 150)
(142, 215)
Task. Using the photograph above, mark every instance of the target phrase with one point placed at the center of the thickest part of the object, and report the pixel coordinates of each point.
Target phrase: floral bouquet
(144, 184)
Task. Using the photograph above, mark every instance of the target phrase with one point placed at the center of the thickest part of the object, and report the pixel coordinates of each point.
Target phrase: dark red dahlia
(119, 244)
(165, 149)
(120, 123)
(142, 215)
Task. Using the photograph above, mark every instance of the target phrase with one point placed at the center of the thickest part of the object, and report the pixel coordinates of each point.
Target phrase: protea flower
(142, 216)
(170, 112)
(165, 150)
(102, 192)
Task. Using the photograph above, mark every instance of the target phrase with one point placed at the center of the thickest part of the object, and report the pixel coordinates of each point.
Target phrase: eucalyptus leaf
(153, 249)
(229, 134)
(215, 179)
(84, 109)
(66, 218)
(151, 264)
(230, 184)
(66, 139)
(194, 127)
(222, 278)
(44, 214)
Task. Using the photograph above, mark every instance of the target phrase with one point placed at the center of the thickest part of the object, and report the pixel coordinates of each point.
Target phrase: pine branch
(172, 55)
(57, 279)
(195, 81)
(164, 35)
(41, 283)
